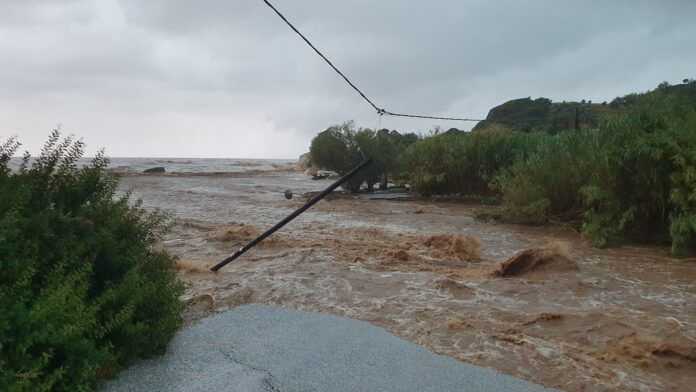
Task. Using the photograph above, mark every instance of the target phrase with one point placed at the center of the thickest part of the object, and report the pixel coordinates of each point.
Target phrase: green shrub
(83, 292)
(683, 192)
(627, 173)
(643, 194)
(629, 197)
(340, 148)
(631, 179)
(464, 163)
(547, 183)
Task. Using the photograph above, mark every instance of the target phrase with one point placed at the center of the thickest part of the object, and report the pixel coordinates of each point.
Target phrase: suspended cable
(322, 56)
(380, 111)
(431, 117)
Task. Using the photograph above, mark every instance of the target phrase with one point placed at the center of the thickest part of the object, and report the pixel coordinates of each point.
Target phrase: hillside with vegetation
(626, 172)
(541, 114)
(526, 114)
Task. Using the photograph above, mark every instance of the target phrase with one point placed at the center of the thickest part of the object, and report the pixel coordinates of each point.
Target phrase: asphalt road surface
(262, 348)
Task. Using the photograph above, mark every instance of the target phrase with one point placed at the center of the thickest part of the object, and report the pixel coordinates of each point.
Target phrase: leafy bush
(464, 163)
(631, 179)
(683, 192)
(340, 148)
(337, 150)
(83, 292)
(627, 173)
(547, 183)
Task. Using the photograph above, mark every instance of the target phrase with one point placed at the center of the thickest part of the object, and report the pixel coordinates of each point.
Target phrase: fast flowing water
(625, 320)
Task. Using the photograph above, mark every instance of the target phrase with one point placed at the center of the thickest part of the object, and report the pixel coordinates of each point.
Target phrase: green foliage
(524, 114)
(528, 115)
(627, 172)
(683, 191)
(632, 178)
(463, 163)
(83, 292)
(335, 149)
(546, 184)
(340, 148)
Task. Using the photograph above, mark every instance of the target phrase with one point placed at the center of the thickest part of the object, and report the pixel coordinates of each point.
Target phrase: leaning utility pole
(292, 216)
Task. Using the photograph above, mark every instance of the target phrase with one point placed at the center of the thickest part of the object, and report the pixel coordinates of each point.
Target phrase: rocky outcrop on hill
(526, 114)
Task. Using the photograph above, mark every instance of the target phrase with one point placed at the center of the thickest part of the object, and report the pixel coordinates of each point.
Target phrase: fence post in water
(292, 216)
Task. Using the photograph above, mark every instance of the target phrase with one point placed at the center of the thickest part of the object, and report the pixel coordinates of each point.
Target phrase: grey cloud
(231, 73)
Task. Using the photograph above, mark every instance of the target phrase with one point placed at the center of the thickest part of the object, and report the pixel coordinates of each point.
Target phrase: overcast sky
(226, 78)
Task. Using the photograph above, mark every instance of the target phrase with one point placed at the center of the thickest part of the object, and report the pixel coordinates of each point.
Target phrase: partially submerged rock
(158, 169)
(550, 258)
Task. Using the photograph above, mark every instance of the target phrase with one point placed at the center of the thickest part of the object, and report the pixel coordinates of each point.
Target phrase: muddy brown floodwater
(564, 315)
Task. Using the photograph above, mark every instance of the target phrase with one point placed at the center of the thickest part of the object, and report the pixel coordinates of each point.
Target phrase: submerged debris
(397, 255)
(457, 289)
(235, 232)
(544, 317)
(458, 324)
(678, 354)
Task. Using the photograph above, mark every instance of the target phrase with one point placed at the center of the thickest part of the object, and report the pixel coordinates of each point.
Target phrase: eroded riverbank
(624, 319)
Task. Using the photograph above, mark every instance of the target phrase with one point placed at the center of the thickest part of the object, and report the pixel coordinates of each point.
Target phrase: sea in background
(186, 165)
(206, 188)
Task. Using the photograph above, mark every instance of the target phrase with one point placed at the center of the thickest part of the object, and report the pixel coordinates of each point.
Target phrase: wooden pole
(292, 216)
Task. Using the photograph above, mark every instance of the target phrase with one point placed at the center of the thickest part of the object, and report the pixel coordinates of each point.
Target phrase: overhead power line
(430, 117)
(380, 111)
